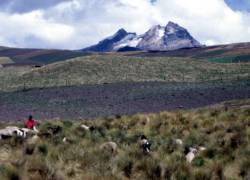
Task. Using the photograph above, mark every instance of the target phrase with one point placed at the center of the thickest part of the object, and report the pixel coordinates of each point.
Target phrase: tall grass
(225, 134)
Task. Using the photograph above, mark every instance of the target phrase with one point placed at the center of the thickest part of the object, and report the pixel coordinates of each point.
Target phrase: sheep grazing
(178, 141)
(201, 148)
(85, 127)
(28, 131)
(10, 131)
(109, 146)
(64, 140)
(15, 130)
(67, 140)
(5, 133)
(144, 144)
(191, 154)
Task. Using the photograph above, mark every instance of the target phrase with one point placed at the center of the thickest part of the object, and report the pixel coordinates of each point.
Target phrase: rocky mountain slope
(159, 38)
(108, 43)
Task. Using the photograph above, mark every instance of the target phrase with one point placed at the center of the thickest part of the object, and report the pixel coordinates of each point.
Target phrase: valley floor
(92, 101)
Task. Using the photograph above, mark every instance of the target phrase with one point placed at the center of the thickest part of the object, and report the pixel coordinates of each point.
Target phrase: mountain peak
(122, 30)
(156, 27)
(172, 28)
(177, 37)
(162, 38)
(170, 23)
(106, 44)
(120, 33)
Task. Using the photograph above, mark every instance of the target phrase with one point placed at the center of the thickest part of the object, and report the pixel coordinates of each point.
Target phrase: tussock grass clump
(9, 172)
(110, 149)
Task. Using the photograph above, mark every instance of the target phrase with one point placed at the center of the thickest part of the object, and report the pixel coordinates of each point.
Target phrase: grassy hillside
(113, 68)
(223, 131)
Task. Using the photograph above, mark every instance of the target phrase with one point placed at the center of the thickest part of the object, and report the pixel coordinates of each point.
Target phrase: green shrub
(43, 148)
(210, 153)
(67, 124)
(198, 161)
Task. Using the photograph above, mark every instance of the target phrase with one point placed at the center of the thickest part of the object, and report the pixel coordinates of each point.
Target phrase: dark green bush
(43, 148)
(198, 161)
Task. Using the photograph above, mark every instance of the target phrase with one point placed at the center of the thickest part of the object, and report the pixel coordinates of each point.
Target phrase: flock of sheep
(143, 142)
(145, 145)
(16, 131)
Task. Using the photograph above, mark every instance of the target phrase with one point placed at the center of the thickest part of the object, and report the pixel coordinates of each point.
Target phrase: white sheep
(10, 131)
(26, 131)
(85, 127)
(64, 140)
(201, 148)
(178, 142)
(191, 155)
(109, 146)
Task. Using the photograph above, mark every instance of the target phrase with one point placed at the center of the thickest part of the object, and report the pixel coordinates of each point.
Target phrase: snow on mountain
(170, 37)
(130, 40)
(107, 44)
(152, 39)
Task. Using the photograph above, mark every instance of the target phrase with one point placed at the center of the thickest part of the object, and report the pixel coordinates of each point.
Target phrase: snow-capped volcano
(170, 37)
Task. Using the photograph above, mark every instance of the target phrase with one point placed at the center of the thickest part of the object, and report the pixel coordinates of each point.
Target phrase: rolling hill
(100, 69)
(111, 84)
(36, 57)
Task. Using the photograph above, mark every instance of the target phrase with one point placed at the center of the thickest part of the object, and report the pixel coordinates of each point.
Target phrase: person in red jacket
(30, 123)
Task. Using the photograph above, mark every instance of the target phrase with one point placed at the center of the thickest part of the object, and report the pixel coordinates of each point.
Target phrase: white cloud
(31, 29)
(78, 23)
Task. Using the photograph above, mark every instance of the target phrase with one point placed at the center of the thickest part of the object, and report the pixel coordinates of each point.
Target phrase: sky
(75, 24)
